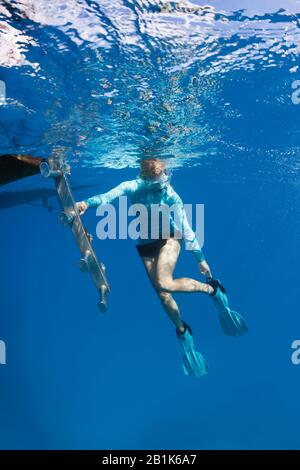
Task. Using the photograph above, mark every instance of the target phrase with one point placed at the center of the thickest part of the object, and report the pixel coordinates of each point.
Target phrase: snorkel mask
(158, 183)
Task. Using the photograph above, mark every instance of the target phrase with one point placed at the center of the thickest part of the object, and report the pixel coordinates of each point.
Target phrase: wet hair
(152, 168)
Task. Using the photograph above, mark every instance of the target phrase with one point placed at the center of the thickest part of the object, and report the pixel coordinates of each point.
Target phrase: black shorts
(150, 250)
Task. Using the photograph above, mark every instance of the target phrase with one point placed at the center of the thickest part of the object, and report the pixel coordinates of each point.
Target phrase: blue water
(104, 84)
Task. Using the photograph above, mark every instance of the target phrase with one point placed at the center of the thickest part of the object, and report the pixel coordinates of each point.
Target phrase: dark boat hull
(15, 167)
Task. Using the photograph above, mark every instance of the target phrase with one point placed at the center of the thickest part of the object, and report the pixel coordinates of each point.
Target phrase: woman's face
(157, 181)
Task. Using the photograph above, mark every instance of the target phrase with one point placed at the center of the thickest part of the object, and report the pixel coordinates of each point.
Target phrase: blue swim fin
(193, 362)
(232, 323)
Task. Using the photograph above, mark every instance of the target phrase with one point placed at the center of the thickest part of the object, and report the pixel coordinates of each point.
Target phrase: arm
(124, 189)
(189, 236)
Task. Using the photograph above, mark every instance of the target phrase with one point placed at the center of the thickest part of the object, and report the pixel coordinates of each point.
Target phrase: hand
(205, 269)
(82, 207)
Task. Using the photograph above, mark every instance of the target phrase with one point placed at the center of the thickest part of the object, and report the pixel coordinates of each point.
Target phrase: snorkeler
(160, 255)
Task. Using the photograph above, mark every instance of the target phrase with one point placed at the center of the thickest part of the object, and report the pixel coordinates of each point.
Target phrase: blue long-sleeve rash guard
(139, 193)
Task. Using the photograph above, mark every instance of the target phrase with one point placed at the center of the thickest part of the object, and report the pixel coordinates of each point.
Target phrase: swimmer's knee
(165, 285)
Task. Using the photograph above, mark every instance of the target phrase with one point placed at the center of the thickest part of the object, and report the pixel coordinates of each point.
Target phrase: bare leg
(168, 303)
(165, 266)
